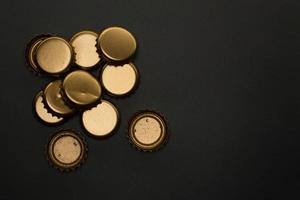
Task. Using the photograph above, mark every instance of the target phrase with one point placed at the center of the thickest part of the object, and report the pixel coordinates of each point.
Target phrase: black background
(224, 73)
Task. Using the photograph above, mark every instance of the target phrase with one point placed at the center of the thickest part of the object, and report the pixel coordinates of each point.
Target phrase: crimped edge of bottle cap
(40, 93)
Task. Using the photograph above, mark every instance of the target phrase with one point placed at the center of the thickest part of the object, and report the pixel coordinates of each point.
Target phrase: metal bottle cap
(31, 51)
(43, 113)
(117, 44)
(101, 120)
(54, 55)
(81, 88)
(119, 80)
(66, 150)
(54, 100)
(147, 131)
(84, 45)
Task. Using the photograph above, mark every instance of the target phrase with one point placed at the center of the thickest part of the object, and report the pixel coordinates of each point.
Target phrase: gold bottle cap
(81, 88)
(54, 100)
(31, 50)
(84, 45)
(117, 44)
(66, 150)
(43, 113)
(119, 80)
(101, 120)
(54, 55)
(147, 131)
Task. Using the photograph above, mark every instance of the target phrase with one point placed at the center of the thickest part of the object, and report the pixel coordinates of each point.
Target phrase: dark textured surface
(224, 73)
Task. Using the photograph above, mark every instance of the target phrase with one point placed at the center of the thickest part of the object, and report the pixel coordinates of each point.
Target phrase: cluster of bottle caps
(75, 89)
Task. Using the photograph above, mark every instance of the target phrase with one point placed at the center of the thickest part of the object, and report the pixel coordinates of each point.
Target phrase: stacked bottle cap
(75, 89)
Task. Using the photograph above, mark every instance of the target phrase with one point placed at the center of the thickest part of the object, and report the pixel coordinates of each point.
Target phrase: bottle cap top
(81, 88)
(54, 55)
(117, 44)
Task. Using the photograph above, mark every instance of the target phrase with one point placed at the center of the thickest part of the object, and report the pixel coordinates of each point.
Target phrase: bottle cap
(119, 80)
(147, 131)
(116, 44)
(31, 50)
(81, 88)
(43, 113)
(53, 55)
(101, 120)
(66, 150)
(84, 45)
(54, 100)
